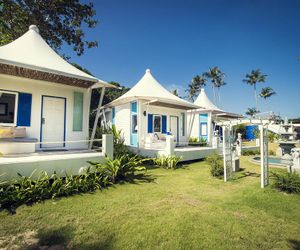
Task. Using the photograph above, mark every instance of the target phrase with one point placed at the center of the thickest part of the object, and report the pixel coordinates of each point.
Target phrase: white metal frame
(264, 161)
(16, 109)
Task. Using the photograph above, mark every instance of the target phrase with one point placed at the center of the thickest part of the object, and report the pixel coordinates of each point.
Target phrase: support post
(224, 129)
(108, 146)
(264, 161)
(170, 145)
(97, 118)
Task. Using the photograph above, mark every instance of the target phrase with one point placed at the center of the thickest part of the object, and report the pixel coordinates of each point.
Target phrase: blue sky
(179, 39)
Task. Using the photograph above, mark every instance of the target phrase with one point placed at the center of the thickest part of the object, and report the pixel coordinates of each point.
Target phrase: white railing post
(239, 145)
(170, 145)
(108, 145)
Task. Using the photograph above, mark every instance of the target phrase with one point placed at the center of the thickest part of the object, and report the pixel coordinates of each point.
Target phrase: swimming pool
(272, 160)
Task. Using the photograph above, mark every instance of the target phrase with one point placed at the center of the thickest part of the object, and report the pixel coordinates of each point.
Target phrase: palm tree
(194, 87)
(252, 79)
(266, 92)
(175, 92)
(252, 112)
(217, 80)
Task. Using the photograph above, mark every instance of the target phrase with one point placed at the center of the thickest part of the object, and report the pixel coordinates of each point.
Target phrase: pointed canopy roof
(207, 105)
(149, 89)
(30, 51)
(203, 101)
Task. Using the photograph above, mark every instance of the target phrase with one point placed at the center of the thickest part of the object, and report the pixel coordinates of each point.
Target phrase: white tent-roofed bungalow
(44, 101)
(201, 122)
(148, 112)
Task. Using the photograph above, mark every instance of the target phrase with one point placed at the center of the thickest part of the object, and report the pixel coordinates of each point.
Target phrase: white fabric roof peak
(203, 101)
(149, 88)
(31, 51)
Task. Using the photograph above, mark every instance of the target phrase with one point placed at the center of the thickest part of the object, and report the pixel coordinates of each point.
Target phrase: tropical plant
(216, 164)
(267, 92)
(198, 82)
(254, 77)
(167, 162)
(240, 129)
(217, 80)
(122, 168)
(287, 182)
(59, 22)
(252, 112)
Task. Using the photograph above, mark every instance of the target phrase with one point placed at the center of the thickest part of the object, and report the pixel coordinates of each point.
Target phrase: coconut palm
(266, 92)
(175, 92)
(198, 82)
(252, 79)
(252, 112)
(217, 80)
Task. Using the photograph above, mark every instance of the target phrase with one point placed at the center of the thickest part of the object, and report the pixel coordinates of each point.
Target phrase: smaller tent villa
(44, 103)
(202, 120)
(148, 112)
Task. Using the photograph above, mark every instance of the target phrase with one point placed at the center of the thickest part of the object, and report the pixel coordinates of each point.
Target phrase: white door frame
(174, 116)
(65, 113)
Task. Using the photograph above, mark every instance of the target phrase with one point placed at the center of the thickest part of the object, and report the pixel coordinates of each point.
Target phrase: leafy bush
(240, 128)
(122, 168)
(216, 164)
(27, 190)
(250, 152)
(287, 182)
(119, 142)
(168, 162)
(272, 136)
(194, 141)
(271, 152)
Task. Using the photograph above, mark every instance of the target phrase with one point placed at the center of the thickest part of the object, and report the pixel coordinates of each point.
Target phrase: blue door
(203, 126)
(133, 124)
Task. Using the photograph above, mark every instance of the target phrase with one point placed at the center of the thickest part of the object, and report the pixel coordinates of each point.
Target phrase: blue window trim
(133, 111)
(65, 114)
(113, 115)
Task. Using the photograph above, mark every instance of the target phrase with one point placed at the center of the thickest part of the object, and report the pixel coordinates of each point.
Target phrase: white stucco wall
(37, 89)
(122, 121)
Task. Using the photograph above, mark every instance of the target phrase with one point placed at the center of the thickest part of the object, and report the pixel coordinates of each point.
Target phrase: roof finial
(148, 71)
(34, 27)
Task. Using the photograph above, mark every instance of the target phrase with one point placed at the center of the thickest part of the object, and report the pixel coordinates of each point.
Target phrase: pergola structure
(228, 141)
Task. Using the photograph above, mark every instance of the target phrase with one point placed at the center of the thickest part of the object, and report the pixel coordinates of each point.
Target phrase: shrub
(240, 128)
(122, 168)
(168, 162)
(287, 182)
(27, 190)
(272, 136)
(250, 152)
(271, 152)
(216, 164)
(194, 141)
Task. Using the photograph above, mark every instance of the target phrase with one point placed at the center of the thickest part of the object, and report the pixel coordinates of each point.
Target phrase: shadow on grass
(61, 238)
(295, 244)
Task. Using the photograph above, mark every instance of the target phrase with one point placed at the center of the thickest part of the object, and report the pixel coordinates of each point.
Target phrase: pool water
(272, 160)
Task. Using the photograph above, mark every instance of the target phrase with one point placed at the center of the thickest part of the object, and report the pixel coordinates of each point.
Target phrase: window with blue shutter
(24, 109)
(150, 123)
(164, 124)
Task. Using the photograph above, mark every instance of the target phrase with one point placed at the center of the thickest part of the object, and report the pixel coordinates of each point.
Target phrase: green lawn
(181, 209)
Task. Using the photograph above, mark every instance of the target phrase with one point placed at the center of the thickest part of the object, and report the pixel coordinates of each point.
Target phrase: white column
(170, 145)
(262, 155)
(239, 145)
(224, 129)
(108, 146)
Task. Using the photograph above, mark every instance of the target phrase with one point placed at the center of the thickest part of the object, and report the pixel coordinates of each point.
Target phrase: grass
(181, 209)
